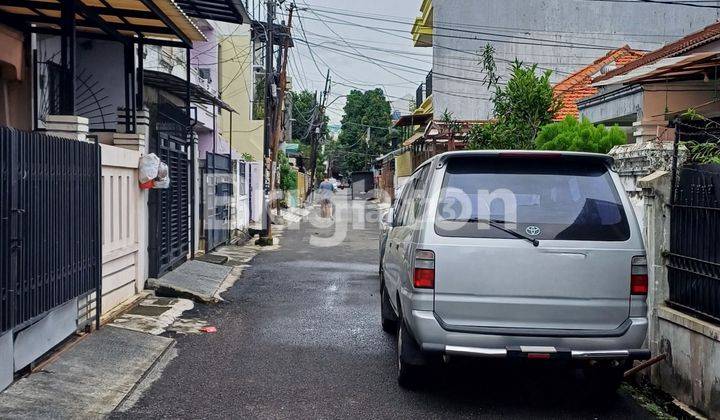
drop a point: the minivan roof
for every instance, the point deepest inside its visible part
(608, 160)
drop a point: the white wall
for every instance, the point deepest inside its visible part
(123, 209)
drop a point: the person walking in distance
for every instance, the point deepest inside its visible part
(326, 189)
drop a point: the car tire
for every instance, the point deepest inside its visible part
(409, 375)
(387, 314)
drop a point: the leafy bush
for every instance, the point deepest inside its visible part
(521, 107)
(579, 136)
(703, 152)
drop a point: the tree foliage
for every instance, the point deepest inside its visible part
(288, 175)
(579, 136)
(304, 109)
(354, 151)
(521, 107)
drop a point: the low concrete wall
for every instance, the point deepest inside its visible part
(691, 371)
(124, 212)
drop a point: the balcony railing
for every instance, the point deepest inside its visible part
(424, 90)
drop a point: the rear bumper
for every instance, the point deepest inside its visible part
(433, 338)
(633, 354)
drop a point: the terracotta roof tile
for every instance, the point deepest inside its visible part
(578, 85)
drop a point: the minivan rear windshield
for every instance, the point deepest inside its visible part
(564, 198)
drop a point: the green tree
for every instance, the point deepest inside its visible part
(579, 136)
(364, 131)
(521, 107)
(304, 109)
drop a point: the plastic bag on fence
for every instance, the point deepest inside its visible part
(163, 171)
(163, 179)
(162, 183)
(149, 166)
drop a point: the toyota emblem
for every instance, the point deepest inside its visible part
(532, 230)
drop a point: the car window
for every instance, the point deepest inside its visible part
(562, 199)
(415, 207)
(402, 203)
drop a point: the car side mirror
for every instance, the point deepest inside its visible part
(388, 217)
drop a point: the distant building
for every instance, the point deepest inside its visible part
(557, 35)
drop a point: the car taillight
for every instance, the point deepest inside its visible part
(639, 276)
(424, 276)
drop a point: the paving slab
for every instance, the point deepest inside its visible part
(89, 380)
(197, 280)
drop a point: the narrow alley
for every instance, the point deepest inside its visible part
(299, 336)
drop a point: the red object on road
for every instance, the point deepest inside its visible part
(208, 329)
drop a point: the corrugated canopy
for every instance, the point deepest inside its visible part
(413, 119)
(667, 68)
(177, 86)
(153, 21)
(232, 11)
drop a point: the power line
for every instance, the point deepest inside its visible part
(545, 43)
(555, 43)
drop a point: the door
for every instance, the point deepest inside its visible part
(578, 278)
(218, 194)
(169, 209)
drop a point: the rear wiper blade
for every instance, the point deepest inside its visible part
(498, 224)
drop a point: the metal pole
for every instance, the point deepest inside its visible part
(126, 71)
(673, 175)
(67, 53)
(214, 195)
(141, 76)
(233, 177)
(269, 73)
(191, 142)
(35, 90)
(133, 86)
(98, 236)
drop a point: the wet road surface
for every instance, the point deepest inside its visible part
(299, 337)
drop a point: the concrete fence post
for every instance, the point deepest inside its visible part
(656, 199)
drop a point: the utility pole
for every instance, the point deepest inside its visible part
(317, 125)
(269, 105)
(277, 122)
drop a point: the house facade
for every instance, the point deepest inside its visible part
(84, 95)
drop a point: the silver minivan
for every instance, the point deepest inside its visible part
(515, 254)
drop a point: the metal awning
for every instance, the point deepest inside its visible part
(232, 11)
(177, 86)
(150, 21)
(412, 139)
(667, 68)
(413, 119)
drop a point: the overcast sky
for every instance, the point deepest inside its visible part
(349, 63)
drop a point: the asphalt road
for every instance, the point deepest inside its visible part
(300, 337)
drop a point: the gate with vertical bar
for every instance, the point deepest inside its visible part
(49, 224)
(169, 209)
(218, 194)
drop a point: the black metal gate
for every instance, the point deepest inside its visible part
(170, 208)
(218, 191)
(694, 257)
(49, 224)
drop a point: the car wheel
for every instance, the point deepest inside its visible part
(409, 375)
(387, 314)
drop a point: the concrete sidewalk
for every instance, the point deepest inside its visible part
(89, 380)
(197, 280)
